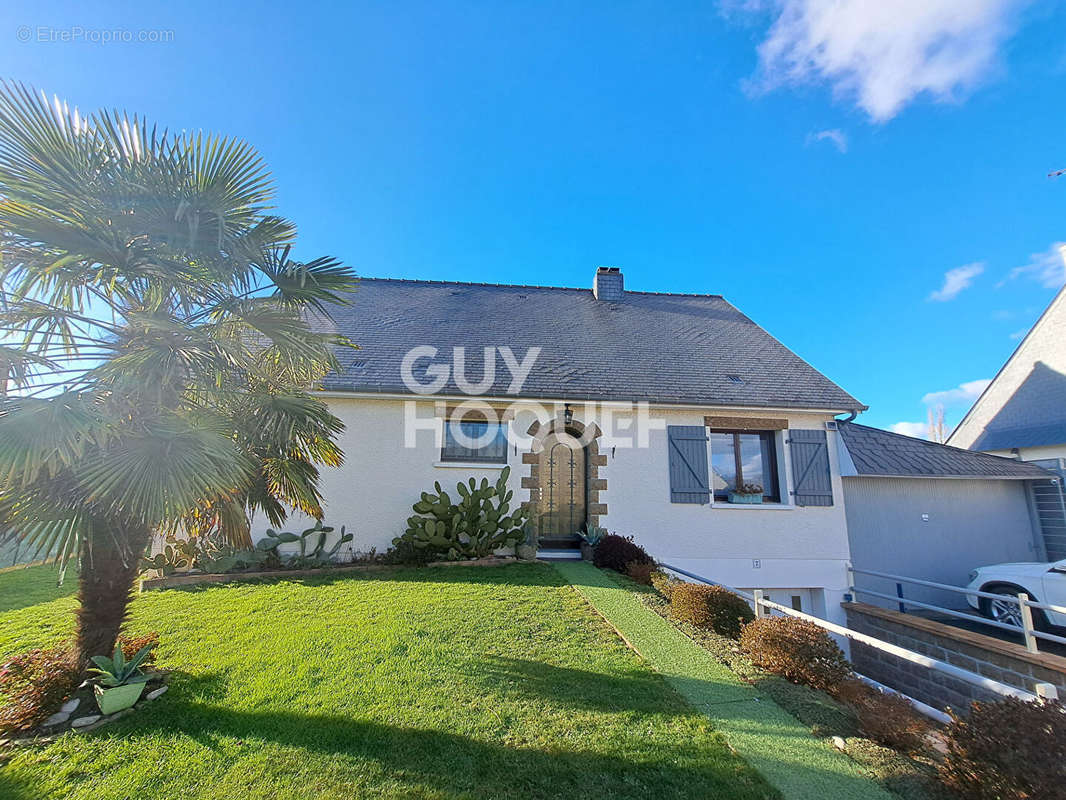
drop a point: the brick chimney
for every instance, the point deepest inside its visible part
(608, 285)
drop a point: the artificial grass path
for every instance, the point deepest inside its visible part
(781, 748)
(457, 682)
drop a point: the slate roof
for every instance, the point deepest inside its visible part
(664, 348)
(1025, 404)
(882, 453)
(1029, 436)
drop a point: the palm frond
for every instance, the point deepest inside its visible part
(165, 471)
(151, 266)
(43, 437)
(317, 284)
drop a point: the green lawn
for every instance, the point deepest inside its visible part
(27, 586)
(801, 766)
(443, 683)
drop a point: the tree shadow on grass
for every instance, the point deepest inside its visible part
(639, 691)
(434, 761)
(17, 787)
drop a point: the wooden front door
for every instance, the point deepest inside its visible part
(562, 503)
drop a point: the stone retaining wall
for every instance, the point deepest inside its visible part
(1005, 662)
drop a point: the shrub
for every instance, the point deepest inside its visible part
(1008, 750)
(664, 583)
(131, 645)
(710, 607)
(886, 718)
(795, 649)
(34, 685)
(406, 554)
(617, 552)
(641, 571)
(479, 524)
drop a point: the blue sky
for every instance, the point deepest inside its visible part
(823, 165)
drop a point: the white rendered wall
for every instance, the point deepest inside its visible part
(774, 547)
(1033, 453)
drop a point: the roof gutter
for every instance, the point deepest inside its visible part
(388, 394)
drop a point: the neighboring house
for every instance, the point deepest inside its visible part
(925, 510)
(724, 403)
(1022, 414)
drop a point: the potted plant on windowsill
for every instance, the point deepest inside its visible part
(121, 682)
(746, 493)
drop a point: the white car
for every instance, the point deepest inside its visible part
(1043, 582)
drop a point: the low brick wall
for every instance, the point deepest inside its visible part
(1005, 662)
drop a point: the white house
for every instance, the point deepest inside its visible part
(1022, 414)
(632, 410)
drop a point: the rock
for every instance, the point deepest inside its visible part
(57, 718)
(70, 706)
(527, 552)
(82, 722)
(152, 695)
(839, 743)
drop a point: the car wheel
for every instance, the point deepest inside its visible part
(1007, 611)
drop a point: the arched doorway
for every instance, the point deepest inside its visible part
(559, 506)
(562, 504)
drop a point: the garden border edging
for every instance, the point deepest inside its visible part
(174, 581)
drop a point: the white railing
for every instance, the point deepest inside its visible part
(1021, 599)
(761, 604)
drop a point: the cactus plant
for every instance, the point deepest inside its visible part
(208, 554)
(313, 552)
(477, 525)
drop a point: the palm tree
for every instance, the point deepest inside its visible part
(155, 343)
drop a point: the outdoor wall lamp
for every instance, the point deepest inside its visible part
(568, 414)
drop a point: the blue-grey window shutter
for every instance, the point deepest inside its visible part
(688, 464)
(812, 482)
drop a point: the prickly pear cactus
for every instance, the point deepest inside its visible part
(480, 523)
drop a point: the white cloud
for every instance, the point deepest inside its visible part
(834, 135)
(1019, 334)
(881, 54)
(955, 280)
(917, 429)
(1048, 268)
(963, 393)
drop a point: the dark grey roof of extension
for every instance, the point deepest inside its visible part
(665, 348)
(882, 453)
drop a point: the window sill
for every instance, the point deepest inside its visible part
(752, 506)
(469, 464)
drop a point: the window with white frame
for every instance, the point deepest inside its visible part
(475, 440)
(741, 458)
